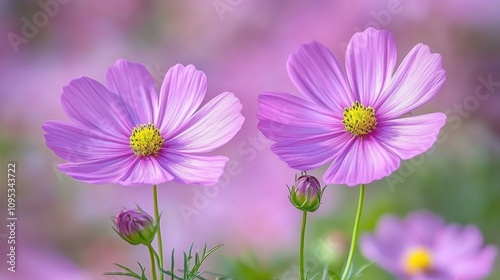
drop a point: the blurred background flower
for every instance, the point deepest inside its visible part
(242, 46)
(422, 246)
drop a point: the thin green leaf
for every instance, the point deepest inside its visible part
(193, 273)
(122, 274)
(129, 272)
(358, 273)
(143, 274)
(307, 274)
(212, 250)
(186, 265)
(172, 265)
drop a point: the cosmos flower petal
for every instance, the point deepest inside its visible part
(423, 235)
(410, 136)
(416, 81)
(211, 127)
(370, 62)
(390, 228)
(469, 238)
(476, 266)
(283, 116)
(155, 174)
(136, 87)
(315, 71)
(73, 143)
(390, 232)
(459, 249)
(386, 244)
(371, 249)
(435, 276)
(376, 251)
(90, 104)
(181, 94)
(361, 161)
(193, 169)
(99, 171)
(311, 152)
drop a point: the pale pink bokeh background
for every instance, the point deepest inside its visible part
(64, 224)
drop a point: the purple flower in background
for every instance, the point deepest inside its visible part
(423, 247)
(352, 119)
(135, 226)
(129, 134)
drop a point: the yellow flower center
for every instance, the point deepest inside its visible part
(418, 260)
(359, 120)
(146, 140)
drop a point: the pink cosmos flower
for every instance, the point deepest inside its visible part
(129, 134)
(423, 247)
(353, 119)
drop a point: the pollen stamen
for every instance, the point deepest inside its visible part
(146, 140)
(359, 120)
(418, 260)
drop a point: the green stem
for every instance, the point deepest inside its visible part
(157, 219)
(153, 263)
(347, 267)
(302, 235)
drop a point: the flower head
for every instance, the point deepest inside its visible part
(135, 226)
(130, 134)
(353, 119)
(423, 247)
(306, 193)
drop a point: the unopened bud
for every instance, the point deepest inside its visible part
(135, 226)
(306, 193)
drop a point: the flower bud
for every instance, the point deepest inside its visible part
(135, 226)
(306, 193)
